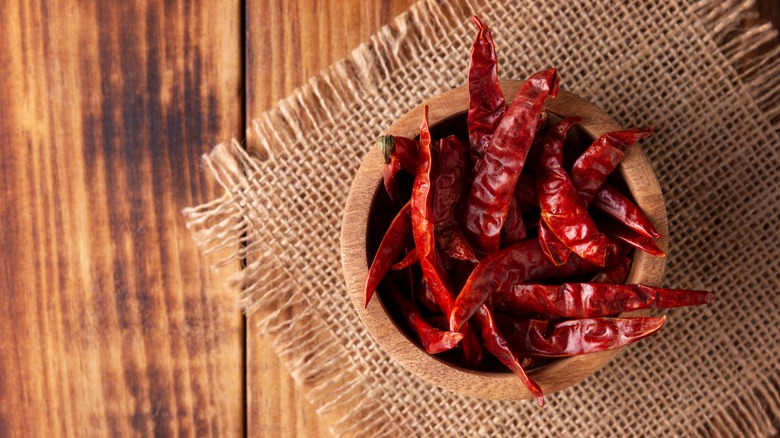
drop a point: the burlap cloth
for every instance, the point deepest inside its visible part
(689, 70)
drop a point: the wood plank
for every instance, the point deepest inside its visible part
(112, 323)
(287, 43)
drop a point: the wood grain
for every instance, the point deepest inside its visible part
(288, 42)
(112, 323)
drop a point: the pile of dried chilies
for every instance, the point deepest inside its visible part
(506, 227)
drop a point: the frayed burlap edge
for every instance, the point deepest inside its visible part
(332, 382)
(751, 52)
(751, 55)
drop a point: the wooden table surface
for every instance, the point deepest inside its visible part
(112, 323)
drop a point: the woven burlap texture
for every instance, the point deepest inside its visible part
(686, 69)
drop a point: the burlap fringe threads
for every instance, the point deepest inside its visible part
(318, 362)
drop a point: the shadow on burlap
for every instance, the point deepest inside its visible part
(686, 69)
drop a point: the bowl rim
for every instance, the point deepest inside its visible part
(635, 169)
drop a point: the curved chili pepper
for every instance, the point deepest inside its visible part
(592, 168)
(603, 156)
(562, 209)
(496, 344)
(515, 264)
(557, 252)
(535, 152)
(610, 201)
(449, 184)
(514, 229)
(389, 174)
(423, 221)
(538, 338)
(503, 160)
(423, 233)
(400, 153)
(553, 248)
(589, 300)
(616, 274)
(409, 259)
(433, 340)
(618, 231)
(486, 103)
(397, 238)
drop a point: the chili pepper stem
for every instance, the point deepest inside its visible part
(385, 144)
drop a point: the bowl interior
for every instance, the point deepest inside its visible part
(382, 211)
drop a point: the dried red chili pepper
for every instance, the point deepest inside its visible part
(409, 259)
(450, 177)
(613, 202)
(616, 274)
(618, 231)
(553, 248)
(535, 152)
(603, 156)
(424, 239)
(563, 211)
(589, 300)
(433, 340)
(391, 171)
(423, 220)
(516, 264)
(397, 238)
(486, 102)
(400, 153)
(592, 168)
(503, 160)
(610, 201)
(539, 338)
(496, 344)
(557, 252)
(514, 229)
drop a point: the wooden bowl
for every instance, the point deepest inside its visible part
(645, 269)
